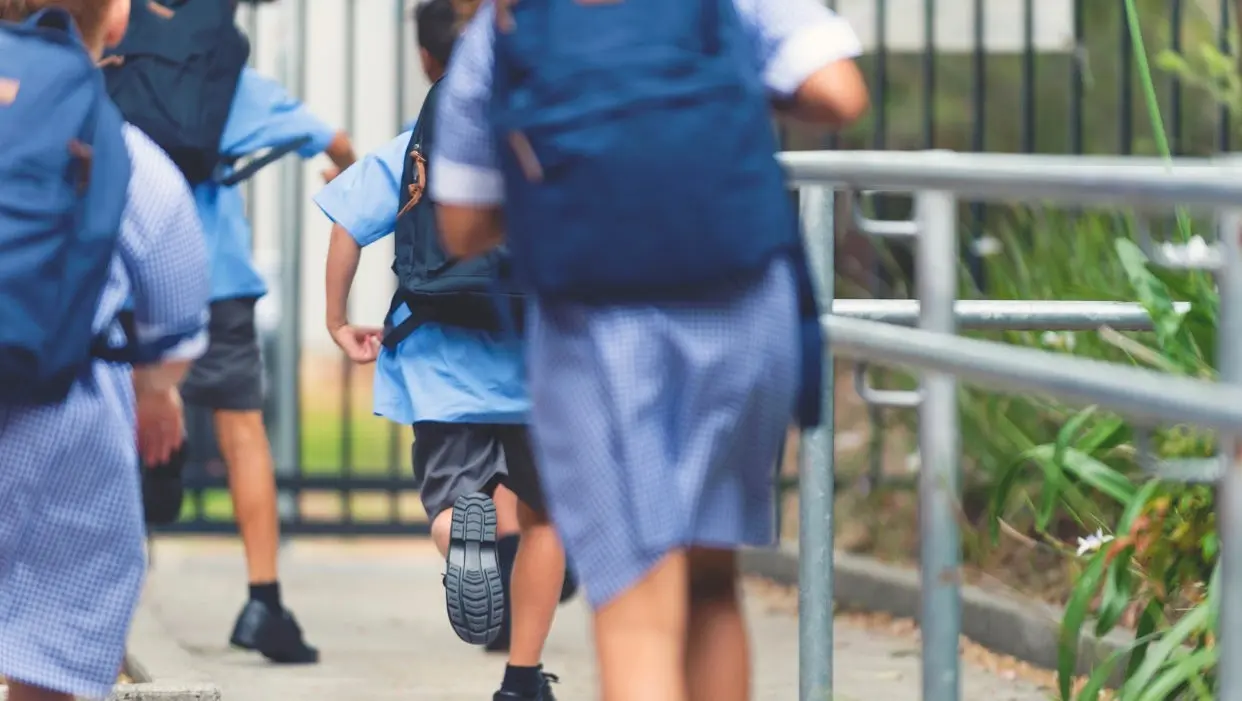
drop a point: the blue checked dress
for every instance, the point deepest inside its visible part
(71, 529)
(656, 428)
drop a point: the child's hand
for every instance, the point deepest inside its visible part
(329, 174)
(161, 425)
(361, 344)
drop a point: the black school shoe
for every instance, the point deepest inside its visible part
(274, 634)
(544, 693)
(163, 490)
(473, 588)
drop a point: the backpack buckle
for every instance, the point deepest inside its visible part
(526, 158)
(420, 183)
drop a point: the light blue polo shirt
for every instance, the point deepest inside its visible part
(263, 115)
(438, 373)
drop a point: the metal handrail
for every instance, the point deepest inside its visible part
(1143, 183)
(937, 179)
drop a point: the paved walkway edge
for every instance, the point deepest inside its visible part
(1026, 629)
(160, 668)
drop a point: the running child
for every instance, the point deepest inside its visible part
(671, 303)
(237, 112)
(72, 555)
(446, 367)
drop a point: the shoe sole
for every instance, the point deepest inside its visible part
(473, 591)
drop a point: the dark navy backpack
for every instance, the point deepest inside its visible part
(475, 293)
(637, 146)
(175, 74)
(64, 177)
(639, 156)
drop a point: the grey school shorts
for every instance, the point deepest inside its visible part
(455, 459)
(229, 376)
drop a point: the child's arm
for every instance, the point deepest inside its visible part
(163, 252)
(467, 187)
(165, 255)
(341, 153)
(807, 52)
(360, 344)
(362, 204)
(834, 96)
(264, 115)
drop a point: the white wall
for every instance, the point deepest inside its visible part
(954, 24)
(372, 120)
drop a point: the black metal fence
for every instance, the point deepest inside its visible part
(1030, 76)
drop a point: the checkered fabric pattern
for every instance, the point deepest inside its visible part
(655, 428)
(71, 531)
(659, 428)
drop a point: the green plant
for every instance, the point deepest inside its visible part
(1163, 546)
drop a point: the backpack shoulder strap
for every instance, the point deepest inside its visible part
(416, 151)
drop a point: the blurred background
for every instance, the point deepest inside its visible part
(1046, 76)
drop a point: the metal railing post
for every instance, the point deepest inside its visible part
(939, 438)
(815, 487)
(287, 448)
(1229, 499)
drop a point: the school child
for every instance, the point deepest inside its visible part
(237, 112)
(91, 213)
(671, 298)
(447, 367)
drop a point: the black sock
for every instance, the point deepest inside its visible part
(570, 586)
(523, 681)
(267, 594)
(506, 553)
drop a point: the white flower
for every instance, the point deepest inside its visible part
(914, 461)
(1093, 542)
(986, 246)
(1058, 339)
(1195, 252)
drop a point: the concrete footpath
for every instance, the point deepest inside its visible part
(375, 608)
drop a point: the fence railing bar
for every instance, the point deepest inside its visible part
(815, 478)
(940, 547)
(890, 398)
(1142, 183)
(1141, 394)
(879, 228)
(1229, 496)
(1009, 315)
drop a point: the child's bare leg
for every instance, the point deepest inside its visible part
(640, 637)
(506, 511)
(25, 692)
(535, 587)
(441, 528)
(717, 655)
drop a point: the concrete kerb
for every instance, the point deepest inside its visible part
(160, 668)
(1026, 629)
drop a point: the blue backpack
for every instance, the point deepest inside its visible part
(639, 156)
(474, 293)
(64, 178)
(638, 149)
(174, 77)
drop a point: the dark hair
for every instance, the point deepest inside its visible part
(436, 26)
(87, 14)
